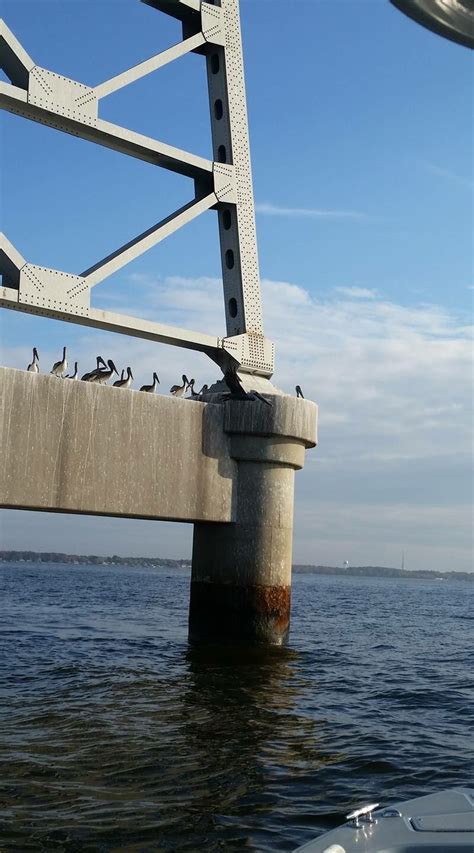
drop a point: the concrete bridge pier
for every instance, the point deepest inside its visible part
(241, 571)
(225, 465)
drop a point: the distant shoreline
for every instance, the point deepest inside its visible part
(185, 565)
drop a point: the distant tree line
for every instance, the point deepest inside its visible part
(383, 572)
(88, 559)
(160, 562)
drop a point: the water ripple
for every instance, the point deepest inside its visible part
(118, 737)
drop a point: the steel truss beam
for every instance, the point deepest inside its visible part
(224, 184)
(52, 293)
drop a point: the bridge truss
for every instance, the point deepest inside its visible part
(223, 184)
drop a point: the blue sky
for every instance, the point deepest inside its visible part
(361, 140)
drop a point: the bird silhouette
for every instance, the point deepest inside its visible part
(87, 376)
(124, 383)
(237, 390)
(233, 382)
(59, 367)
(299, 392)
(151, 388)
(74, 375)
(101, 377)
(196, 395)
(178, 390)
(34, 366)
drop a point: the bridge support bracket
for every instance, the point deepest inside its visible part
(241, 571)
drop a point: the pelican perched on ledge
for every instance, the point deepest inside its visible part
(74, 376)
(59, 367)
(34, 366)
(87, 376)
(237, 390)
(255, 395)
(124, 383)
(102, 376)
(179, 390)
(195, 395)
(151, 388)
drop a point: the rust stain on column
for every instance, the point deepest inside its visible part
(241, 571)
(227, 612)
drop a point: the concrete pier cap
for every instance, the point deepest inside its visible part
(225, 465)
(241, 571)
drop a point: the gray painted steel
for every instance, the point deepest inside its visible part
(437, 823)
(223, 183)
(226, 465)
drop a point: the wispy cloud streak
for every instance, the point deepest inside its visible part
(357, 292)
(449, 175)
(268, 209)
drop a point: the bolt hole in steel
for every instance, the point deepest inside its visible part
(233, 307)
(218, 109)
(226, 219)
(222, 154)
(229, 259)
(215, 63)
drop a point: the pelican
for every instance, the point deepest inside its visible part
(237, 390)
(255, 395)
(151, 388)
(102, 376)
(299, 392)
(232, 380)
(59, 367)
(74, 376)
(34, 366)
(87, 376)
(124, 383)
(178, 390)
(193, 395)
(196, 395)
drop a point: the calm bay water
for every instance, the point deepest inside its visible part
(115, 736)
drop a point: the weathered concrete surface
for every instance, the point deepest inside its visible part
(229, 467)
(241, 576)
(86, 448)
(288, 417)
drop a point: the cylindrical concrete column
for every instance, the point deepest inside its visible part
(241, 573)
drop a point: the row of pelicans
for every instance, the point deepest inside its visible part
(104, 370)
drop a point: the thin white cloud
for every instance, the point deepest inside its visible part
(357, 292)
(449, 175)
(269, 209)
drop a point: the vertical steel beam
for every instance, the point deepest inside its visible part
(238, 241)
